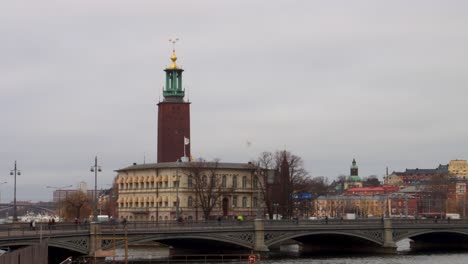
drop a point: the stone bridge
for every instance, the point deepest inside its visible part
(258, 235)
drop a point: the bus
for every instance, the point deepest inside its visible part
(432, 215)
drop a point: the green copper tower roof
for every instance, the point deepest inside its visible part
(173, 80)
(354, 176)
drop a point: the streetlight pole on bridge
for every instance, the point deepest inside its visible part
(15, 172)
(95, 168)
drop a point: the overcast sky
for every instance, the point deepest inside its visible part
(384, 82)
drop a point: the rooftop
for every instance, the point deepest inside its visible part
(170, 165)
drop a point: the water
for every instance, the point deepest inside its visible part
(449, 258)
(404, 256)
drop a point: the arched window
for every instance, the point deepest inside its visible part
(234, 181)
(190, 201)
(244, 182)
(244, 202)
(223, 182)
(190, 181)
(204, 180)
(255, 182)
(234, 201)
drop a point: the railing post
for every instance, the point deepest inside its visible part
(259, 236)
(94, 240)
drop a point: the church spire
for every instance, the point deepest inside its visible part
(173, 77)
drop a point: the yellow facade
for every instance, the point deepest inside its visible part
(459, 168)
(338, 206)
(150, 192)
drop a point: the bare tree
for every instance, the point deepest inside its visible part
(77, 204)
(291, 181)
(436, 192)
(110, 206)
(207, 185)
(266, 168)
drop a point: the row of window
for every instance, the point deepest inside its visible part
(190, 203)
(204, 181)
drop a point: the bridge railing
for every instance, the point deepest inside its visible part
(175, 225)
(396, 221)
(25, 229)
(321, 222)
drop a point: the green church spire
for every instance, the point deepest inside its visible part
(173, 78)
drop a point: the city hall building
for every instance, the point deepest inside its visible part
(170, 189)
(167, 191)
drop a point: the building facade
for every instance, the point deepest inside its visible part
(420, 176)
(458, 168)
(172, 190)
(363, 206)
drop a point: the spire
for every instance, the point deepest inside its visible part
(174, 76)
(173, 59)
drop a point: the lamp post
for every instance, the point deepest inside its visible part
(15, 172)
(1, 191)
(59, 189)
(95, 168)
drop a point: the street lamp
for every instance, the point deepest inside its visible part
(15, 172)
(95, 168)
(1, 191)
(59, 189)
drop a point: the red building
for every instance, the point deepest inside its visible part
(173, 117)
(402, 205)
(371, 191)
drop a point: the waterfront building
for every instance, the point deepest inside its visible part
(166, 191)
(458, 168)
(339, 205)
(370, 191)
(403, 204)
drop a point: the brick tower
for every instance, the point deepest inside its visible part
(173, 117)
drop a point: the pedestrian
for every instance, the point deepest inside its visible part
(219, 220)
(435, 219)
(326, 219)
(33, 224)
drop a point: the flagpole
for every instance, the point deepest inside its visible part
(184, 147)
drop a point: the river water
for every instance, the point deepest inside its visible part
(442, 258)
(404, 256)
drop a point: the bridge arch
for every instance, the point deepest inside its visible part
(412, 234)
(51, 243)
(375, 238)
(211, 237)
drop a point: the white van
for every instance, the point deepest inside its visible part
(452, 216)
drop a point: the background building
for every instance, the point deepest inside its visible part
(458, 168)
(166, 191)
